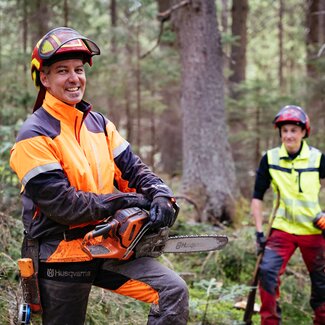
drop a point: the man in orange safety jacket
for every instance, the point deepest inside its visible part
(70, 161)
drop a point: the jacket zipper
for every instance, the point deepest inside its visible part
(76, 133)
(299, 182)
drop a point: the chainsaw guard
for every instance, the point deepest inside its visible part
(152, 245)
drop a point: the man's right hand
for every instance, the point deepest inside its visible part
(162, 213)
(260, 242)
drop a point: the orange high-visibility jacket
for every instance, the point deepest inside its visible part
(76, 157)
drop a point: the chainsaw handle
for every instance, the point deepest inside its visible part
(100, 230)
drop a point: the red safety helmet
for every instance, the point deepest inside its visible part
(292, 114)
(61, 43)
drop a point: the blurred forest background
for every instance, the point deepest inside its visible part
(193, 85)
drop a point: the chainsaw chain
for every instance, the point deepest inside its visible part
(223, 240)
(198, 236)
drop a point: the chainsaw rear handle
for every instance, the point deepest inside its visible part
(100, 230)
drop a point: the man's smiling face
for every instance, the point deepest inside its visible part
(65, 80)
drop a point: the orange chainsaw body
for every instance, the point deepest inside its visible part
(113, 239)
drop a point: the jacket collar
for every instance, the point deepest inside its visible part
(304, 152)
(63, 111)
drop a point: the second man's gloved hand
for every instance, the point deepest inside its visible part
(162, 213)
(260, 242)
(319, 222)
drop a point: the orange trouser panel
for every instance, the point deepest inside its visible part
(138, 290)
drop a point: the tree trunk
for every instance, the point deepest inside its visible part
(315, 35)
(25, 31)
(138, 87)
(113, 17)
(238, 49)
(127, 86)
(164, 5)
(41, 18)
(280, 28)
(208, 168)
(113, 112)
(237, 66)
(312, 41)
(322, 23)
(153, 139)
(66, 12)
(224, 15)
(169, 130)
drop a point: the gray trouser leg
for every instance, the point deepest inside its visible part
(64, 303)
(171, 288)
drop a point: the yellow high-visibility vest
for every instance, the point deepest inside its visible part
(298, 183)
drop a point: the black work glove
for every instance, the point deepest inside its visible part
(260, 242)
(162, 213)
(119, 201)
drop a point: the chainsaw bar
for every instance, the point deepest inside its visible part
(195, 243)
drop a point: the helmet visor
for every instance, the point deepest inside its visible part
(59, 37)
(291, 114)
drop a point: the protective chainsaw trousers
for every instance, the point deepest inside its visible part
(279, 248)
(65, 288)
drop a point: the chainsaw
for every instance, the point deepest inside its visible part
(129, 234)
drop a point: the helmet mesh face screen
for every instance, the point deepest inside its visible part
(64, 40)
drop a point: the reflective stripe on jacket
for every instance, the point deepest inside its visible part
(298, 183)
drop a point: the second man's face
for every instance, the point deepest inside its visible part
(291, 136)
(65, 80)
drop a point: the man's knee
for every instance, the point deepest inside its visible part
(173, 303)
(269, 271)
(268, 279)
(178, 286)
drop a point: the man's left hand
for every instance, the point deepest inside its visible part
(162, 213)
(319, 221)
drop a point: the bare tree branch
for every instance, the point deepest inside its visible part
(161, 30)
(164, 16)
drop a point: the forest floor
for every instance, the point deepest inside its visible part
(216, 280)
